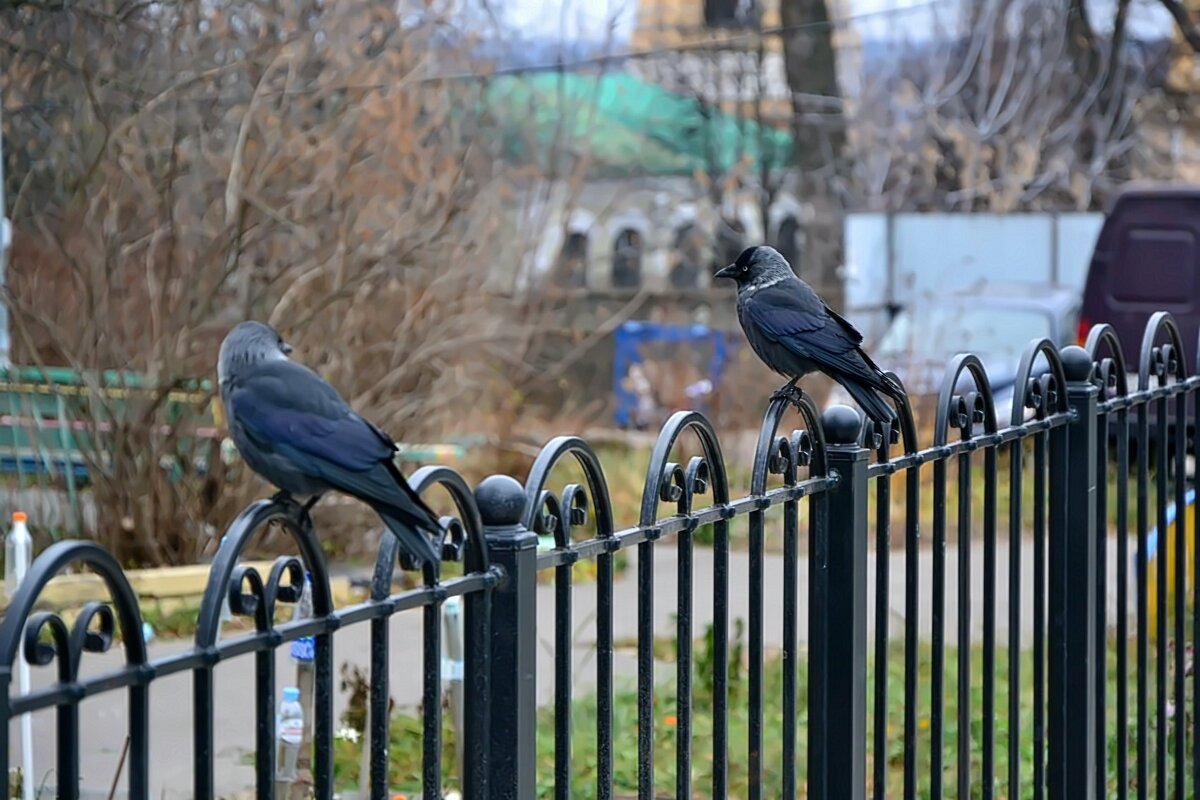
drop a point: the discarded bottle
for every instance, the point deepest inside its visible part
(303, 650)
(18, 550)
(226, 614)
(289, 732)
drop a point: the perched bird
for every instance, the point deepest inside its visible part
(294, 430)
(794, 332)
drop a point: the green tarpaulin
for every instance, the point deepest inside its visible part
(625, 125)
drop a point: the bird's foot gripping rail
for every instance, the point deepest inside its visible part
(790, 392)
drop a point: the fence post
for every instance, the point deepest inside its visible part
(513, 547)
(1071, 771)
(837, 685)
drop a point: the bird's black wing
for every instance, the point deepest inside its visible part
(799, 321)
(287, 408)
(849, 329)
(286, 404)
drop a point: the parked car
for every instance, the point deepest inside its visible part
(1147, 259)
(995, 321)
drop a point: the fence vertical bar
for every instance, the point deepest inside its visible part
(1195, 602)
(837, 689)
(1122, 724)
(791, 525)
(1072, 628)
(1039, 615)
(912, 576)
(604, 677)
(1141, 576)
(683, 674)
(1162, 722)
(202, 730)
(645, 669)
(755, 658)
(563, 663)
(431, 704)
(1101, 610)
(883, 553)
(1180, 699)
(937, 682)
(513, 547)
(963, 638)
(720, 699)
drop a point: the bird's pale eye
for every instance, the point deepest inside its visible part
(745, 267)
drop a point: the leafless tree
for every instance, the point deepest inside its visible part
(1028, 109)
(178, 168)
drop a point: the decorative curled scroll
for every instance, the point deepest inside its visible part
(545, 513)
(1110, 374)
(964, 410)
(462, 537)
(785, 455)
(679, 486)
(1044, 392)
(245, 589)
(249, 596)
(667, 482)
(558, 519)
(93, 631)
(1163, 361)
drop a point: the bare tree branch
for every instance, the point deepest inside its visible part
(1187, 26)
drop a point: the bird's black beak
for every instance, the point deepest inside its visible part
(285, 348)
(726, 272)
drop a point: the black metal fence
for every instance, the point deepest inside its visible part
(1028, 696)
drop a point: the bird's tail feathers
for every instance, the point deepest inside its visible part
(414, 523)
(875, 407)
(430, 521)
(893, 389)
(416, 543)
(882, 381)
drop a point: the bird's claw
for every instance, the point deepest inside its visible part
(282, 497)
(409, 563)
(790, 393)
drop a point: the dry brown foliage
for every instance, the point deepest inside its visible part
(176, 168)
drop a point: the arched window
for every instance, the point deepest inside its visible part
(787, 241)
(688, 256)
(572, 261)
(731, 240)
(627, 260)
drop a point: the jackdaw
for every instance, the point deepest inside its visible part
(293, 429)
(792, 330)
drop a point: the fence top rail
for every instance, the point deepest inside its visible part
(205, 657)
(980, 441)
(1142, 397)
(629, 537)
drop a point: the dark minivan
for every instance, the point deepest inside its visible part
(1147, 259)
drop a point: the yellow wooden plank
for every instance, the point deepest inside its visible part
(68, 591)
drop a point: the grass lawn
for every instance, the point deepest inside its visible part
(406, 730)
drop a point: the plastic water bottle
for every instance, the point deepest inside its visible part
(18, 549)
(226, 614)
(289, 732)
(304, 649)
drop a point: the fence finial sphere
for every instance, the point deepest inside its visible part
(501, 500)
(1077, 364)
(841, 424)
